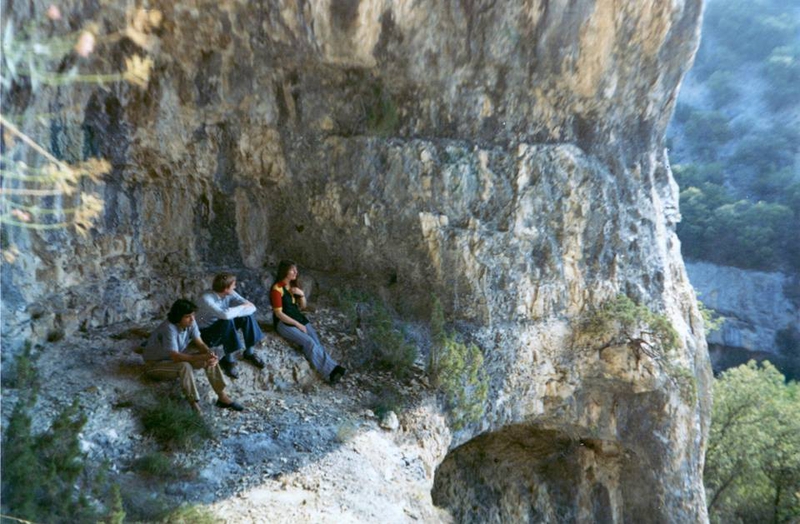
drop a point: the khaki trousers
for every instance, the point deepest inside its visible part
(167, 369)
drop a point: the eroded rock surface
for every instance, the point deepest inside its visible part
(507, 156)
(755, 305)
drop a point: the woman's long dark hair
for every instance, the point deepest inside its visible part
(283, 269)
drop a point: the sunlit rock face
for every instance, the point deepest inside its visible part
(506, 156)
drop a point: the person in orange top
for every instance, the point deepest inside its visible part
(287, 300)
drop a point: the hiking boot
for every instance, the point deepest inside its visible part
(232, 405)
(254, 359)
(229, 368)
(336, 375)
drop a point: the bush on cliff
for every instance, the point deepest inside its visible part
(382, 345)
(457, 369)
(622, 321)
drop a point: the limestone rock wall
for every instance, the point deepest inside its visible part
(507, 156)
(754, 303)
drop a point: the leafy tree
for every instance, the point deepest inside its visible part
(695, 225)
(764, 152)
(706, 132)
(749, 236)
(721, 88)
(782, 70)
(771, 186)
(752, 469)
(750, 28)
(697, 175)
(698, 228)
(741, 234)
(744, 208)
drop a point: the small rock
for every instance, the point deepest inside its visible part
(390, 421)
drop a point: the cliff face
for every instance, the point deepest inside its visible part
(507, 156)
(760, 315)
(754, 304)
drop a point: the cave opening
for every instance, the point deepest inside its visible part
(524, 473)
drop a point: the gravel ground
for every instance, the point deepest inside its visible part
(302, 451)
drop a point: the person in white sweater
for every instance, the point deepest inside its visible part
(221, 313)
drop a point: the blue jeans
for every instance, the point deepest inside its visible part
(312, 347)
(223, 332)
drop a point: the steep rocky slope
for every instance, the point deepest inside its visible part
(301, 450)
(507, 157)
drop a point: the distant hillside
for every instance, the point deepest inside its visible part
(735, 138)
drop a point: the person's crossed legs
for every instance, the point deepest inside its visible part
(224, 332)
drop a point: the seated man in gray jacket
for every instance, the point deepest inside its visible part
(221, 313)
(165, 356)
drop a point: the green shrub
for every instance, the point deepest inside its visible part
(752, 468)
(24, 373)
(457, 370)
(383, 345)
(116, 512)
(388, 399)
(382, 115)
(463, 381)
(622, 321)
(711, 319)
(19, 462)
(346, 431)
(351, 302)
(391, 351)
(173, 425)
(191, 515)
(159, 465)
(45, 477)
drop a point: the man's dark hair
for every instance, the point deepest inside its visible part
(179, 309)
(223, 282)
